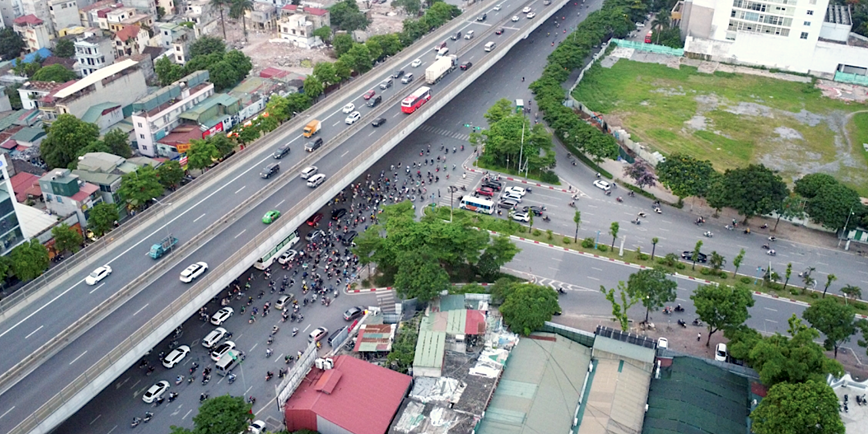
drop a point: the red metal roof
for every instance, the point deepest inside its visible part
(22, 183)
(9, 144)
(306, 10)
(475, 324)
(28, 19)
(128, 32)
(357, 396)
(86, 190)
(271, 72)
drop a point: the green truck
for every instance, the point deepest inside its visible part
(162, 247)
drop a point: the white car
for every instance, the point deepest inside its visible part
(316, 180)
(221, 349)
(98, 275)
(521, 217)
(469, 34)
(287, 256)
(256, 427)
(155, 392)
(511, 196)
(175, 356)
(497, 8)
(515, 191)
(662, 343)
(308, 171)
(531, 15)
(221, 315)
(602, 185)
(215, 336)
(349, 108)
(317, 334)
(720, 352)
(526, 10)
(283, 302)
(193, 271)
(416, 63)
(353, 117)
(515, 18)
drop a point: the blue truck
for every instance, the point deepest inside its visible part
(162, 247)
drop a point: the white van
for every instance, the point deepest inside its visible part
(306, 173)
(443, 51)
(469, 34)
(316, 180)
(228, 362)
(489, 46)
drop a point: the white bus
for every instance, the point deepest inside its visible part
(287, 243)
(476, 204)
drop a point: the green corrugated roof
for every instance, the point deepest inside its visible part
(95, 111)
(8, 121)
(451, 302)
(97, 177)
(28, 134)
(217, 99)
(693, 396)
(430, 348)
(624, 349)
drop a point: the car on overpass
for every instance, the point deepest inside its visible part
(416, 63)
(155, 392)
(175, 356)
(379, 121)
(349, 108)
(270, 216)
(193, 271)
(526, 10)
(369, 94)
(353, 117)
(98, 275)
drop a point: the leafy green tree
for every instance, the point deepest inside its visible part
(739, 259)
(238, 9)
(528, 307)
(792, 207)
(345, 15)
(653, 288)
(119, 143)
(5, 269)
(851, 292)
(222, 74)
(613, 231)
(501, 251)
(66, 239)
(802, 408)
(325, 73)
(793, 359)
(788, 274)
(11, 44)
(220, 5)
(240, 62)
(248, 134)
(278, 108)
(722, 307)
(511, 136)
(752, 190)
(654, 242)
(64, 48)
(14, 97)
(502, 109)
(343, 71)
(324, 33)
(313, 88)
(201, 154)
(619, 309)
(829, 279)
(832, 206)
(222, 143)
(695, 255)
(167, 71)
(717, 261)
(577, 218)
(810, 185)
(57, 73)
(641, 173)
(66, 136)
(170, 174)
(362, 57)
(220, 415)
(29, 260)
(837, 322)
(102, 217)
(374, 49)
(420, 276)
(141, 186)
(403, 351)
(411, 7)
(206, 45)
(685, 176)
(342, 44)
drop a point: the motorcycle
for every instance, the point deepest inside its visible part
(231, 378)
(270, 340)
(136, 422)
(268, 352)
(667, 310)
(658, 211)
(561, 291)
(679, 308)
(697, 322)
(148, 416)
(772, 239)
(619, 199)
(636, 222)
(203, 396)
(269, 375)
(546, 218)
(708, 234)
(766, 246)
(294, 331)
(274, 330)
(771, 252)
(642, 214)
(682, 323)
(572, 204)
(729, 228)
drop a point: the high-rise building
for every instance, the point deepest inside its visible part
(11, 234)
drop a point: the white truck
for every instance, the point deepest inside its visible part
(440, 68)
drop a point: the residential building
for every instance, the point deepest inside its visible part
(262, 17)
(130, 40)
(65, 193)
(253, 93)
(116, 17)
(141, 20)
(148, 7)
(34, 31)
(64, 14)
(105, 171)
(178, 39)
(146, 61)
(32, 92)
(168, 6)
(803, 36)
(29, 136)
(299, 22)
(11, 233)
(39, 8)
(93, 52)
(10, 10)
(199, 12)
(158, 114)
(121, 83)
(87, 14)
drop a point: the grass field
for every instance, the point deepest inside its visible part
(732, 120)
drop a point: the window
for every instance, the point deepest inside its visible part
(140, 124)
(142, 136)
(59, 199)
(144, 148)
(804, 35)
(810, 12)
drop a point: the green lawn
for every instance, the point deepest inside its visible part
(731, 119)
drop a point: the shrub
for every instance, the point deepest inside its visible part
(671, 259)
(549, 234)
(567, 240)
(745, 280)
(722, 275)
(550, 178)
(796, 292)
(536, 232)
(859, 305)
(680, 266)
(814, 295)
(522, 229)
(602, 247)
(704, 271)
(588, 243)
(644, 256)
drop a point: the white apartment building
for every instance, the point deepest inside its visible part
(299, 22)
(199, 12)
(64, 13)
(804, 36)
(93, 52)
(40, 9)
(178, 39)
(33, 30)
(157, 114)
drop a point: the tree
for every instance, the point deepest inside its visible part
(807, 280)
(64, 48)
(654, 242)
(56, 73)
(851, 292)
(66, 239)
(809, 185)
(206, 45)
(324, 33)
(721, 306)
(802, 408)
(170, 174)
(14, 97)
(833, 205)
(167, 71)
(829, 279)
(641, 173)
(411, 7)
(238, 9)
(528, 307)
(345, 15)
(653, 288)
(792, 207)
(794, 359)
(220, 5)
(619, 310)
(717, 261)
(11, 44)
(499, 253)
(222, 74)
(66, 136)
(577, 218)
(29, 260)
(325, 73)
(837, 322)
(219, 415)
(695, 255)
(613, 231)
(201, 154)
(752, 190)
(5, 269)
(119, 143)
(738, 261)
(102, 218)
(420, 276)
(685, 175)
(787, 274)
(222, 143)
(361, 55)
(313, 88)
(403, 351)
(342, 44)
(141, 186)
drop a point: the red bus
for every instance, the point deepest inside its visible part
(414, 101)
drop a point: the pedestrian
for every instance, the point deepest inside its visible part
(698, 337)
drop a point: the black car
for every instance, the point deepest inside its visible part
(466, 65)
(481, 17)
(456, 36)
(398, 74)
(353, 313)
(688, 255)
(379, 121)
(348, 238)
(499, 31)
(494, 185)
(536, 210)
(281, 151)
(338, 213)
(374, 101)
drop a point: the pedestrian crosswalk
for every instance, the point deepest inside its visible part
(445, 132)
(386, 301)
(458, 180)
(555, 284)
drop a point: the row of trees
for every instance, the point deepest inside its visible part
(757, 190)
(225, 68)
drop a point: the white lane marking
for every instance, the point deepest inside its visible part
(336, 123)
(34, 331)
(593, 278)
(239, 234)
(396, 114)
(7, 412)
(95, 419)
(595, 268)
(197, 218)
(187, 414)
(369, 135)
(239, 190)
(768, 308)
(771, 321)
(345, 153)
(137, 312)
(98, 287)
(80, 356)
(280, 203)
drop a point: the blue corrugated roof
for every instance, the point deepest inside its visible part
(43, 53)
